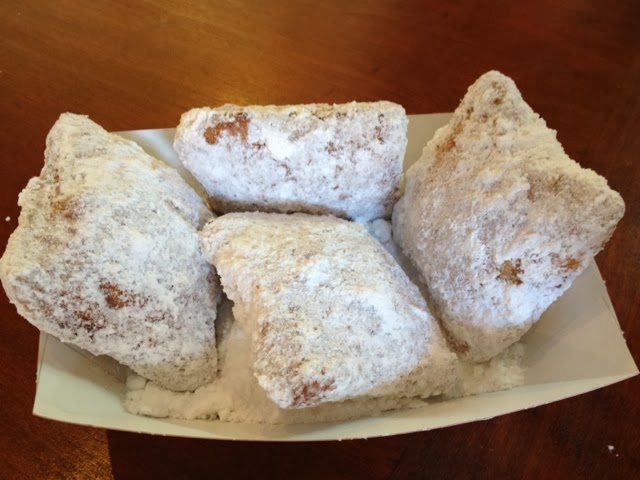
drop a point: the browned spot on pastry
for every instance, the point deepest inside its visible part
(160, 316)
(305, 392)
(547, 186)
(115, 297)
(509, 272)
(469, 112)
(296, 135)
(56, 183)
(331, 148)
(237, 128)
(450, 143)
(378, 132)
(324, 115)
(339, 169)
(264, 329)
(90, 320)
(64, 207)
(293, 308)
(568, 263)
(571, 264)
(501, 90)
(458, 346)
(287, 170)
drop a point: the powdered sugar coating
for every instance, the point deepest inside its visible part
(498, 219)
(345, 160)
(106, 257)
(332, 316)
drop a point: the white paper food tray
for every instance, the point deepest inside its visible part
(576, 347)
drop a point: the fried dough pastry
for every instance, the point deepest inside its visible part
(344, 160)
(498, 219)
(106, 257)
(331, 314)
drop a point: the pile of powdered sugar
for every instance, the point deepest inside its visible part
(235, 396)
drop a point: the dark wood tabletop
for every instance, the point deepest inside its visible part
(133, 65)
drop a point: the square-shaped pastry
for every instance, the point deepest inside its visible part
(106, 257)
(498, 219)
(331, 314)
(344, 160)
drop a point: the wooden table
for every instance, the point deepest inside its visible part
(576, 62)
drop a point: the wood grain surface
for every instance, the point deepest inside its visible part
(132, 65)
